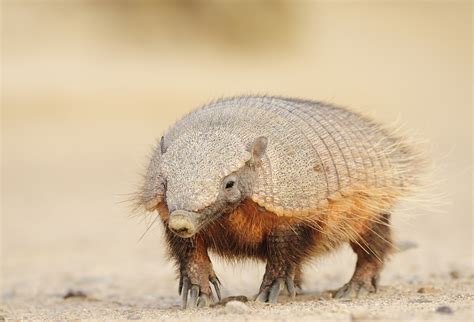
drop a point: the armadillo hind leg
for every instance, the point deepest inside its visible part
(372, 249)
(298, 279)
(284, 258)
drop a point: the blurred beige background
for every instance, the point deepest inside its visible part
(88, 86)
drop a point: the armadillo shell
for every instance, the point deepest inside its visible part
(316, 152)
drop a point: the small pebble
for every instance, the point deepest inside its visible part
(240, 298)
(224, 301)
(74, 294)
(426, 290)
(236, 307)
(455, 275)
(422, 300)
(444, 309)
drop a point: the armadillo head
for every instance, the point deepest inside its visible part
(206, 174)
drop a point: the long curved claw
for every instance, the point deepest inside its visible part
(269, 292)
(215, 281)
(345, 292)
(193, 296)
(180, 285)
(183, 291)
(263, 295)
(375, 282)
(354, 289)
(275, 290)
(290, 286)
(204, 300)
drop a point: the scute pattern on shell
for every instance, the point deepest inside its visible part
(195, 165)
(316, 152)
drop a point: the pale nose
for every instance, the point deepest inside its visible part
(181, 224)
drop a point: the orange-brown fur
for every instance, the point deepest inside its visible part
(241, 234)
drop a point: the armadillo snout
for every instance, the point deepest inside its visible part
(183, 223)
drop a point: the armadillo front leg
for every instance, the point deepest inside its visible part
(286, 248)
(195, 271)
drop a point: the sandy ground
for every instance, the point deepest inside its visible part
(81, 112)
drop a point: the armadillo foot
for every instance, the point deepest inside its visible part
(269, 292)
(357, 288)
(193, 295)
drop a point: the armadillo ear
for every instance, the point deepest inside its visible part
(162, 145)
(259, 147)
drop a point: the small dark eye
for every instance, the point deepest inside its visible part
(229, 184)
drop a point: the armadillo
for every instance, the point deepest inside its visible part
(280, 180)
